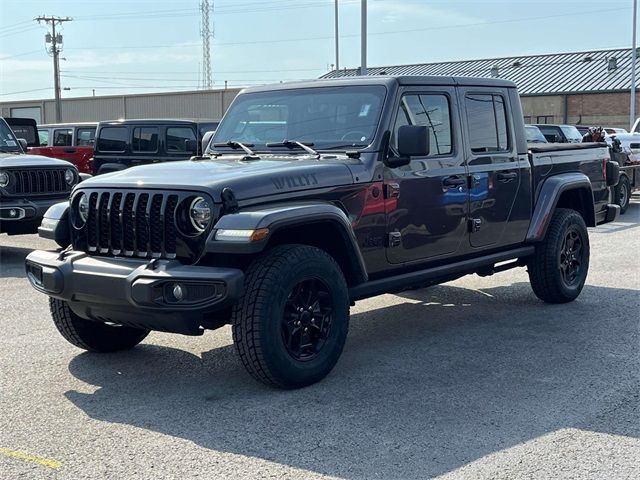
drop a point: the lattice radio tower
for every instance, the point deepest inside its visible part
(206, 32)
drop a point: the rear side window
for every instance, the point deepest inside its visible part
(177, 138)
(145, 139)
(487, 123)
(44, 137)
(62, 137)
(431, 111)
(85, 137)
(112, 139)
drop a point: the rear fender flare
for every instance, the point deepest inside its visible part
(550, 193)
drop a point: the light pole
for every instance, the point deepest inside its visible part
(337, 38)
(632, 106)
(363, 38)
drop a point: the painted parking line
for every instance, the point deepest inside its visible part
(27, 457)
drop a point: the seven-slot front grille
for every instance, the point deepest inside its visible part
(135, 224)
(38, 182)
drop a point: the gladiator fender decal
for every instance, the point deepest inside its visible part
(550, 193)
(279, 218)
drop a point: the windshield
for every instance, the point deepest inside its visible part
(534, 135)
(8, 142)
(333, 117)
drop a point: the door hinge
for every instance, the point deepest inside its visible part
(475, 224)
(391, 190)
(394, 239)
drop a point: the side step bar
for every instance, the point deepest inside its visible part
(431, 276)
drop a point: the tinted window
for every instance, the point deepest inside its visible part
(534, 135)
(177, 138)
(62, 138)
(112, 139)
(27, 132)
(572, 134)
(552, 134)
(145, 139)
(85, 137)
(487, 123)
(44, 137)
(337, 117)
(431, 111)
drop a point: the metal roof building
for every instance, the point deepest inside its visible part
(588, 87)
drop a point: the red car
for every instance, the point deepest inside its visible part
(72, 142)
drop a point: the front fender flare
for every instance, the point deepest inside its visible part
(279, 217)
(550, 192)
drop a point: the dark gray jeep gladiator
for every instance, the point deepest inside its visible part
(29, 184)
(314, 195)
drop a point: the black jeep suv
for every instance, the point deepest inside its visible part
(314, 195)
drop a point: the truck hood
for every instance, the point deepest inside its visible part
(270, 175)
(19, 160)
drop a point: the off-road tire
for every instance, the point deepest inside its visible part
(544, 267)
(257, 318)
(622, 193)
(90, 335)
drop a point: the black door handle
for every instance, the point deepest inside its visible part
(454, 181)
(69, 150)
(507, 176)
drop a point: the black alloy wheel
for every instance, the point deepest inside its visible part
(570, 256)
(307, 319)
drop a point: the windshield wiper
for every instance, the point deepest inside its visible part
(234, 144)
(294, 143)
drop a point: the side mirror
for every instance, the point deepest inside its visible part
(23, 144)
(413, 141)
(191, 146)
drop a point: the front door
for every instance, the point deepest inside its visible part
(426, 201)
(494, 165)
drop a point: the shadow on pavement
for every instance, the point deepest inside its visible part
(422, 388)
(12, 261)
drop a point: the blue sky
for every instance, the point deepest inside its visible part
(124, 46)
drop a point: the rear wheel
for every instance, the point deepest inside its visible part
(291, 324)
(622, 193)
(558, 269)
(90, 335)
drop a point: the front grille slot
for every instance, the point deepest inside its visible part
(136, 224)
(38, 182)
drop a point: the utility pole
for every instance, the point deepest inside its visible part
(55, 39)
(206, 34)
(337, 39)
(634, 54)
(363, 38)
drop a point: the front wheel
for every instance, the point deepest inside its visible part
(558, 269)
(90, 335)
(290, 326)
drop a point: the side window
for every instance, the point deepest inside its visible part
(44, 137)
(145, 139)
(487, 123)
(85, 137)
(177, 138)
(62, 138)
(112, 139)
(432, 111)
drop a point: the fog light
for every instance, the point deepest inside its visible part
(13, 212)
(178, 294)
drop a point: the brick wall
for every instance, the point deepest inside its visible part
(606, 109)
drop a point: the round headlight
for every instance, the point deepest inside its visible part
(69, 176)
(4, 179)
(200, 214)
(83, 208)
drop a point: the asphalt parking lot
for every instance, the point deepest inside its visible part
(472, 379)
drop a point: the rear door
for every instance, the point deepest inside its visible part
(493, 164)
(426, 201)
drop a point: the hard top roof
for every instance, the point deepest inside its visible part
(158, 121)
(386, 80)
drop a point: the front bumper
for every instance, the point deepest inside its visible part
(133, 292)
(22, 215)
